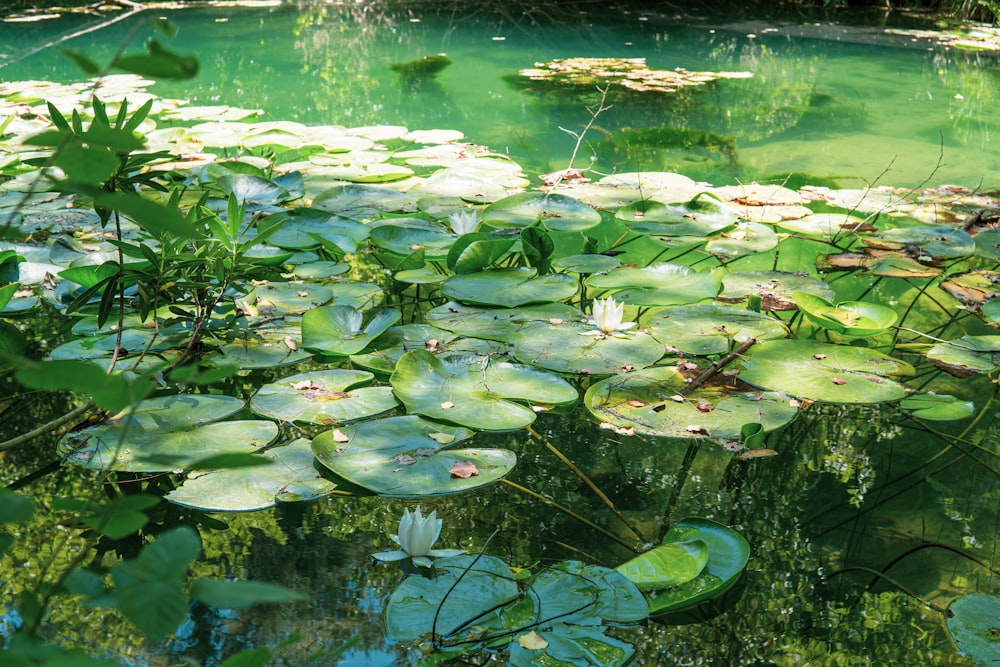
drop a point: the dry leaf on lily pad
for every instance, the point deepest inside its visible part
(464, 469)
(532, 641)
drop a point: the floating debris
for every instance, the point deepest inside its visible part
(631, 73)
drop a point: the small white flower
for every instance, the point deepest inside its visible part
(607, 316)
(417, 534)
(464, 222)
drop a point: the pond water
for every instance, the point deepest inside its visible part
(849, 490)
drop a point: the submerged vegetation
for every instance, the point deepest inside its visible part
(268, 314)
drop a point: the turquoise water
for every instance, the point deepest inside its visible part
(849, 104)
(840, 493)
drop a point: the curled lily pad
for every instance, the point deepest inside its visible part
(700, 599)
(849, 318)
(972, 623)
(659, 285)
(289, 475)
(573, 347)
(556, 212)
(344, 330)
(363, 202)
(967, 355)
(651, 402)
(335, 396)
(823, 372)
(509, 287)
(708, 329)
(409, 456)
(938, 407)
(475, 391)
(500, 324)
(669, 564)
(402, 236)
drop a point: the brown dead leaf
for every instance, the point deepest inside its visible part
(441, 438)
(532, 641)
(756, 454)
(819, 356)
(340, 436)
(696, 428)
(447, 405)
(405, 459)
(838, 381)
(464, 469)
(704, 406)
(426, 451)
(636, 403)
(305, 385)
(302, 294)
(290, 343)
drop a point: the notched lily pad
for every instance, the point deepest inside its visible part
(556, 212)
(576, 347)
(336, 396)
(509, 287)
(659, 285)
(938, 407)
(410, 457)
(709, 329)
(499, 324)
(967, 355)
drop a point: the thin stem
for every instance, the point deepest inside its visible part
(570, 513)
(675, 495)
(48, 427)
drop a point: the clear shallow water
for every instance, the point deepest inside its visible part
(837, 107)
(826, 502)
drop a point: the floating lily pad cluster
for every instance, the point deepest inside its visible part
(630, 73)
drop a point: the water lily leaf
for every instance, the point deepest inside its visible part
(402, 236)
(687, 222)
(746, 238)
(703, 597)
(585, 264)
(774, 288)
(669, 564)
(556, 212)
(323, 397)
(824, 225)
(573, 347)
(320, 270)
(988, 244)
(396, 341)
(650, 402)
(972, 288)
(289, 476)
(276, 343)
(848, 318)
(474, 252)
(256, 192)
(659, 285)
(509, 287)
(709, 329)
(133, 341)
(500, 324)
(464, 589)
(410, 457)
(972, 624)
(355, 294)
(475, 391)
(363, 202)
(823, 372)
(938, 407)
(112, 447)
(344, 330)
(967, 355)
(450, 182)
(937, 242)
(304, 228)
(283, 299)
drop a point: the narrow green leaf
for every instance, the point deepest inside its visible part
(241, 594)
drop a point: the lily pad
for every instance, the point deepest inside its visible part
(824, 372)
(585, 264)
(283, 299)
(397, 341)
(306, 228)
(857, 319)
(700, 599)
(363, 202)
(669, 564)
(973, 625)
(167, 433)
(509, 287)
(475, 391)
(708, 329)
(774, 288)
(410, 457)
(937, 242)
(938, 407)
(500, 324)
(573, 347)
(659, 285)
(555, 211)
(402, 236)
(344, 330)
(745, 238)
(967, 355)
(650, 402)
(290, 475)
(323, 397)
(687, 222)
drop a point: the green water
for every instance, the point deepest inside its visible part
(837, 107)
(848, 486)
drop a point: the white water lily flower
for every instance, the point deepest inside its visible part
(607, 316)
(417, 534)
(464, 222)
